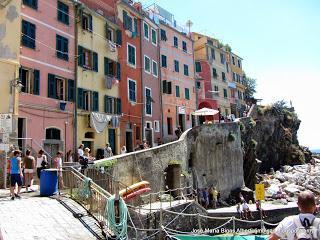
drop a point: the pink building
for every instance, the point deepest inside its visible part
(177, 77)
(46, 106)
(152, 122)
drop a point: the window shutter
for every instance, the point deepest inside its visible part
(52, 86)
(118, 37)
(80, 98)
(136, 26)
(71, 90)
(105, 103)
(164, 86)
(32, 29)
(58, 46)
(90, 23)
(36, 82)
(80, 56)
(118, 71)
(66, 49)
(119, 106)
(107, 29)
(95, 98)
(106, 66)
(95, 62)
(169, 87)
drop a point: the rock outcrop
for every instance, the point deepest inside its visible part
(270, 135)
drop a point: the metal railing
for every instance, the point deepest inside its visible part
(91, 196)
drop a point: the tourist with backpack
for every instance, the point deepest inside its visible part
(302, 226)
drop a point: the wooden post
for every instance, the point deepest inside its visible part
(116, 202)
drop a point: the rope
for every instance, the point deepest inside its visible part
(271, 224)
(119, 229)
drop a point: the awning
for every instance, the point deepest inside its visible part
(205, 112)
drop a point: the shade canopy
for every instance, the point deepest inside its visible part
(205, 112)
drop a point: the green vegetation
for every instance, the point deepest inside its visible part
(253, 143)
(251, 85)
(231, 137)
(242, 127)
(105, 164)
(252, 123)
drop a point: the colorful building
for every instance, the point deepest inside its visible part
(210, 53)
(46, 103)
(238, 105)
(152, 122)
(177, 74)
(98, 77)
(129, 19)
(10, 25)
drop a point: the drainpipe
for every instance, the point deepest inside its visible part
(142, 81)
(75, 125)
(195, 81)
(160, 83)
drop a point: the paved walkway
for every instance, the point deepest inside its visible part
(34, 217)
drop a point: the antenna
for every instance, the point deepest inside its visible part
(189, 25)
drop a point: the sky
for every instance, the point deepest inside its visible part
(279, 42)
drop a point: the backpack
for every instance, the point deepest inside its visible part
(310, 232)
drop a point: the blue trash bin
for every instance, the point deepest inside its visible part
(48, 182)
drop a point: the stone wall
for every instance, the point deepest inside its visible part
(208, 154)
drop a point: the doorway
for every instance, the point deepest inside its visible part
(112, 139)
(129, 144)
(51, 149)
(148, 135)
(181, 121)
(22, 133)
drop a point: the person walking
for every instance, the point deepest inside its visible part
(107, 151)
(42, 162)
(302, 226)
(15, 174)
(57, 163)
(29, 166)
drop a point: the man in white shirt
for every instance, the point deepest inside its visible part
(292, 226)
(107, 151)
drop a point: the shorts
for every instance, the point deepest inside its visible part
(15, 179)
(28, 170)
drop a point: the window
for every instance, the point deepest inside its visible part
(198, 85)
(240, 95)
(186, 70)
(175, 42)
(131, 59)
(233, 76)
(212, 53)
(222, 60)
(127, 21)
(233, 94)
(198, 67)
(88, 100)
(176, 66)
(112, 105)
(28, 38)
(169, 126)
(214, 73)
(166, 87)
(163, 35)
(112, 68)
(163, 61)
(31, 3)
(239, 63)
(155, 68)
(177, 91)
(227, 65)
(62, 47)
(132, 89)
(233, 61)
(148, 101)
(216, 89)
(63, 13)
(157, 126)
(187, 93)
(87, 59)
(109, 34)
(137, 133)
(238, 78)
(146, 31)
(30, 79)
(210, 42)
(60, 88)
(86, 22)
(223, 76)
(184, 46)
(154, 36)
(225, 93)
(53, 133)
(147, 64)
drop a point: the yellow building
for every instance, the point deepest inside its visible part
(238, 77)
(9, 66)
(98, 76)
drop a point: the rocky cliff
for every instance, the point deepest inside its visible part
(270, 135)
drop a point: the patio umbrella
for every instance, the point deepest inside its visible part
(205, 112)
